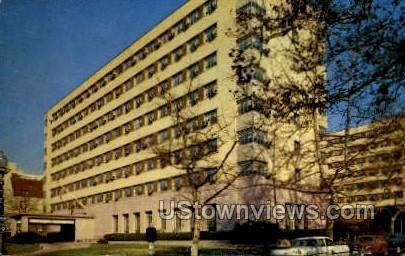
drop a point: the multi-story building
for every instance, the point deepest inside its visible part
(99, 138)
(367, 163)
(23, 192)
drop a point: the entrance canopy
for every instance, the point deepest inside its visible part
(69, 227)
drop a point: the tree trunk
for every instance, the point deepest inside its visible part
(196, 236)
(329, 222)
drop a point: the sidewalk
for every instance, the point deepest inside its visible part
(46, 248)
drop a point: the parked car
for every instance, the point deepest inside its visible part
(314, 245)
(370, 245)
(396, 244)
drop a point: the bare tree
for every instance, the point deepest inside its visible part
(20, 204)
(328, 67)
(199, 144)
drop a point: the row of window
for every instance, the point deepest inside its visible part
(385, 158)
(253, 135)
(146, 119)
(372, 172)
(366, 134)
(252, 103)
(208, 147)
(179, 223)
(371, 197)
(175, 183)
(251, 8)
(139, 167)
(365, 148)
(147, 96)
(253, 167)
(207, 8)
(193, 70)
(251, 41)
(193, 124)
(374, 184)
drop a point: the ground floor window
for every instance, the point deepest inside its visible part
(126, 223)
(149, 218)
(115, 223)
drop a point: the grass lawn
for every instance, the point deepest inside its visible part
(139, 250)
(21, 248)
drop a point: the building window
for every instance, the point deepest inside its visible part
(139, 190)
(163, 87)
(251, 8)
(164, 62)
(211, 61)
(137, 222)
(210, 90)
(177, 157)
(211, 117)
(150, 188)
(115, 224)
(163, 111)
(251, 135)
(192, 125)
(139, 167)
(178, 104)
(194, 16)
(194, 43)
(210, 6)
(178, 78)
(177, 131)
(126, 223)
(164, 185)
(138, 101)
(150, 164)
(139, 77)
(194, 70)
(149, 218)
(180, 27)
(138, 122)
(117, 92)
(150, 117)
(151, 70)
(253, 167)
(163, 136)
(128, 192)
(211, 33)
(212, 146)
(193, 97)
(148, 142)
(249, 42)
(249, 104)
(163, 222)
(179, 53)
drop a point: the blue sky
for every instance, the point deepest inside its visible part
(48, 47)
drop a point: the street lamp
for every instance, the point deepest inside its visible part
(3, 227)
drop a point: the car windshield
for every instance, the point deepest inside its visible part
(308, 242)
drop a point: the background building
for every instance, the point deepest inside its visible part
(23, 192)
(368, 167)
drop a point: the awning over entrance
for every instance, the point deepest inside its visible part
(56, 227)
(49, 221)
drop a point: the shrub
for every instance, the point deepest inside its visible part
(102, 241)
(142, 236)
(125, 237)
(26, 238)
